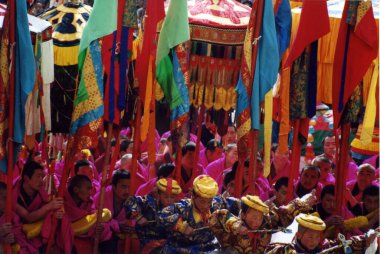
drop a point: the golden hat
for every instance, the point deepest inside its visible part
(255, 203)
(205, 186)
(168, 185)
(86, 152)
(311, 222)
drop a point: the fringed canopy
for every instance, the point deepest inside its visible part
(68, 21)
(217, 31)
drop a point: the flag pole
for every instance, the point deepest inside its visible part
(103, 186)
(341, 173)
(295, 161)
(12, 38)
(255, 133)
(135, 157)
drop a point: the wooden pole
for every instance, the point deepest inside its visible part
(255, 133)
(103, 187)
(69, 163)
(295, 161)
(341, 173)
(12, 37)
(135, 157)
(199, 133)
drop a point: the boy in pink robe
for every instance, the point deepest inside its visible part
(114, 199)
(84, 167)
(308, 181)
(280, 165)
(12, 232)
(31, 201)
(325, 167)
(212, 152)
(217, 168)
(78, 204)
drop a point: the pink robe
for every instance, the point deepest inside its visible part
(352, 171)
(372, 160)
(217, 171)
(75, 212)
(113, 224)
(283, 172)
(330, 179)
(40, 200)
(19, 236)
(260, 190)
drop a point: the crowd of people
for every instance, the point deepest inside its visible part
(195, 213)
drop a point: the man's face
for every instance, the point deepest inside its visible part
(232, 156)
(202, 204)
(253, 218)
(310, 239)
(280, 160)
(365, 178)
(121, 190)
(166, 199)
(86, 171)
(371, 203)
(309, 179)
(230, 137)
(325, 168)
(329, 146)
(83, 192)
(36, 181)
(281, 195)
(328, 203)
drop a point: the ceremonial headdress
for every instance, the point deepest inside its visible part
(205, 186)
(168, 185)
(311, 222)
(255, 203)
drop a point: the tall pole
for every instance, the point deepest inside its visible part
(103, 187)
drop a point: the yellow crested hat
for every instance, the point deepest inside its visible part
(205, 186)
(86, 152)
(311, 222)
(168, 185)
(255, 203)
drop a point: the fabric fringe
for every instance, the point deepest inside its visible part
(64, 56)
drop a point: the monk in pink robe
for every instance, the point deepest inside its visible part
(325, 167)
(78, 204)
(212, 152)
(280, 166)
(12, 232)
(352, 171)
(308, 181)
(31, 201)
(114, 199)
(365, 177)
(219, 167)
(188, 172)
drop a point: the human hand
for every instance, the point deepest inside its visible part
(142, 221)
(5, 229)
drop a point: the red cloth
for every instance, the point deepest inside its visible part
(314, 23)
(364, 39)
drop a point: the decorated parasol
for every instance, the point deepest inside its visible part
(217, 32)
(68, 21)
